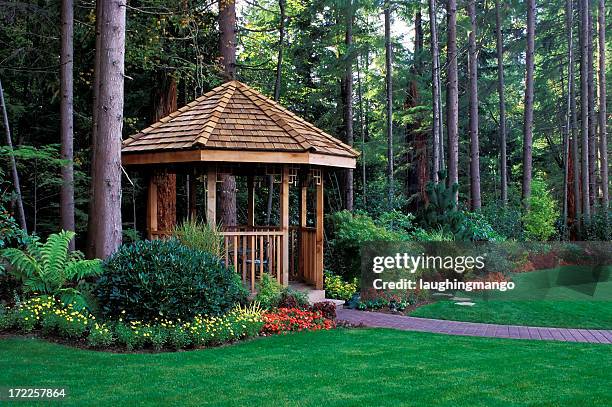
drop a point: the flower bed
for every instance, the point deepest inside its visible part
(286, 320)
(51, 318)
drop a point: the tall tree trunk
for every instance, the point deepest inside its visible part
(389, 96)
(435, 91)
(14, 172)
(603, 137)
(227, 37)
(452, 95)
(107, 198)
(347, 103)
(503, 159)
(584, 107)
(570, 183)
(227, 45)
(277, 89)
(66, 118)
(92, 221)
(474, 145)
(592, 120)
(362, 131)
(281, 43)
(574, 149)
(416, 138)
(528, 114)
(165, 100)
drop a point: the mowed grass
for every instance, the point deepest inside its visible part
(560, 314)
(558, 297)
(358, 367)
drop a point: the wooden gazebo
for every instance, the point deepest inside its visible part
(233, 129)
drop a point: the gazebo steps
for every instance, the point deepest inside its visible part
(312, 294)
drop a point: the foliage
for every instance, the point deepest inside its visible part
(51, 269)
(271, 294)
(504, 219)
(540, 220)
(53, 318)
(397, 221)
(291, 298)
(433, 235)
(51, 315)
(441, 210)
(164, 279)
(294, 319)
(478, 228)
(326, 308)
(100, 336)
(268, 291)
(11, 235)
(336, 288)
(200, 236)
(599, 226)
(350, 232)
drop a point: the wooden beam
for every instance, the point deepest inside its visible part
(250, 201)
(284, 223)
(151, 208)
(319, 238)
(211, 196)
(238, 156)
(303, 219)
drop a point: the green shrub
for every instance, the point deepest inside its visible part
(100, 336)
(200, 236)
(6, 318)
(290, 298)
(179, 337)
(129, 337)
(433, 235)
(50, 269)
(165, 279)
(540, 220)
(598, 227)
(350, 232)
(268, 291)
(396, 221)
(336, 288)
(477, 228)
(505, 220)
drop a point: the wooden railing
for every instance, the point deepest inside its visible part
(253, 253)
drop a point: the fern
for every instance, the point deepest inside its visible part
(50, 269)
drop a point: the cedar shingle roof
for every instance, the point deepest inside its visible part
(234, 116)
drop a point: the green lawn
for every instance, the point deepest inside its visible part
(542, 298)
(357, 367)
(560, 314)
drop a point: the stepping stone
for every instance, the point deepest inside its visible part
(466, 303)
(441, 295)
(460, 299)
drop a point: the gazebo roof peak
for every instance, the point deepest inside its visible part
(234, 117)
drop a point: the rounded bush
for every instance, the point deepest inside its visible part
(164, 279)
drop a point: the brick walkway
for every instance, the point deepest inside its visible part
(381, 320)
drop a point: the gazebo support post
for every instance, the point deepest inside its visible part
(284, 223)
(151, 208)
(318, 277)
(251, 201)
(211, 196)
(303, 218)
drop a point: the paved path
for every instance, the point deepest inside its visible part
(381, 320)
